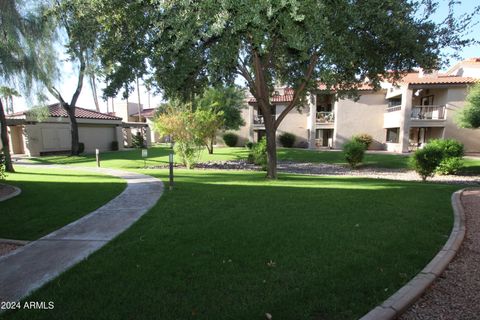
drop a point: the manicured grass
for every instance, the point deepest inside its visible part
(337, 157)
(230, 245)
(159, 155)
(52, 198)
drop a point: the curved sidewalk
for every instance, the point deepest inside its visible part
(33, 265)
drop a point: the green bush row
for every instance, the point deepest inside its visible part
(442, 156)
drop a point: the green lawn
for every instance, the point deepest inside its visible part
(230, 245)
(159, 156)
(52, 198)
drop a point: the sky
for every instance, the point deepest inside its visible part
(68, 82)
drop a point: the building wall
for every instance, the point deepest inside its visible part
(51, 137)
(363, 116)
(245, 132)
(295, 123)
(469, 137)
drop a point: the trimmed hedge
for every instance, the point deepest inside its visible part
(364, 138)
(354, 151)
(287, 139)
(231, 139)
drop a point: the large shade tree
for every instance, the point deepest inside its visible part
(76, 20)
(25, 54)
(189, 44)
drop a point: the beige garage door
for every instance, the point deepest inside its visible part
(97, 137)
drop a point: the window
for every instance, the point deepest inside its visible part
(393, 135)
(394, 102)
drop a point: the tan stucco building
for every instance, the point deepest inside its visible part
(400, 117)
(49, 133)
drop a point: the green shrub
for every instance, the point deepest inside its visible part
(354, 151)
(449, 166)
(425, 161)
(364, 138)
(259, 153)
(138, 141)
(249, 145)
(188, 151)
(114, 146)
(230, 139)
(287, 140)
(81, 147)
(2, 167)
(451, 148)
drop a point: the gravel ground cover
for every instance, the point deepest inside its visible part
(455, 295)
(334, 170)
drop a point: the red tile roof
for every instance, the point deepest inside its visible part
(55, 110)
(147, 113)
(414, 78)
(287, 96)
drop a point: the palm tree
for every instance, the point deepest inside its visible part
(7, 94)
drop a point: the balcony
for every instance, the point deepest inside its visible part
(325, 117)
(428, 113)
(393, 108)
(259, 121)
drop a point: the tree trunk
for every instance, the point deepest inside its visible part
(93, 86)
(270, 132)
(210, 145)
(5, 142)
(75, 151)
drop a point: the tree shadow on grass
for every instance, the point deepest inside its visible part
(242, 249)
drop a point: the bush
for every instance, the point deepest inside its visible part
(259, 153)
(364, 138)
(425, 161)
(287, 140)
(2, 167)
(449, 166)
(81, 147)
(230, 139)
(188, 151)
(354, 151)
(249, 145)
(114, 145)
(451, 148)
(138, 141)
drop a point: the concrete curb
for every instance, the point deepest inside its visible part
(11, 195)
(399, 302)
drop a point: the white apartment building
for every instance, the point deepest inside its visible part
(400, 117)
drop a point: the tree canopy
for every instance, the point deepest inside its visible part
(26, 55)
(469, 117)
(187, 45)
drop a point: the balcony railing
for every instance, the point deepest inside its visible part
(394, 108)
(428, 113)
(260, 120)
(325, 117)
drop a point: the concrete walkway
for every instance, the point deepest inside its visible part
(33, 265)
